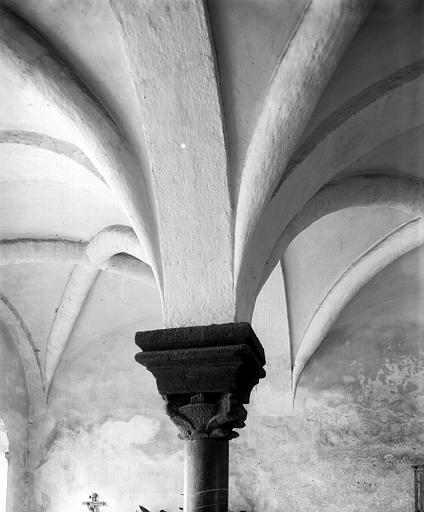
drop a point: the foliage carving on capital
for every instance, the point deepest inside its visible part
(208, 417)
(205, 375)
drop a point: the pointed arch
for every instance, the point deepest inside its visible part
(382, 111)
(394, 245)
(298, 82)
(28, 352)
(400, 192)
(25, 54)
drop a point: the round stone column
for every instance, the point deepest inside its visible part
(206, 476)
(205, 374)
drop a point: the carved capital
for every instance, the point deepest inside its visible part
(205, 374)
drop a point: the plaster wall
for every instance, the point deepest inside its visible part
(22, 162)
(104, 428)
(22, 285)
(348, 444)
(321, 253)
(249, 38)
(357, 424)
(24, 109)
(390, 38)
(87, 35)
(401, 154)
(13, 411)
(42, 209)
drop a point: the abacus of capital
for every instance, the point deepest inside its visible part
(205, 375)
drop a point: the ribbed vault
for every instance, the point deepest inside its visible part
(200, 157)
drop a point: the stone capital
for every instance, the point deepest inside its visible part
(205, 374)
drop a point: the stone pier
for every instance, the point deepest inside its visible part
(205, 375)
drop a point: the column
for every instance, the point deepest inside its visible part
(205, 375)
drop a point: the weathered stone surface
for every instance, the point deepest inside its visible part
(205, 374)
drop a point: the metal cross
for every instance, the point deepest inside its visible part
(93, 505)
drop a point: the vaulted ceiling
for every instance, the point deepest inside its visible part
(171, 154)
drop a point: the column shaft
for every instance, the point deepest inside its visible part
(206, 476)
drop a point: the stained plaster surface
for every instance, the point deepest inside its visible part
(348, 445)
(105, 429)
(357, 424)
